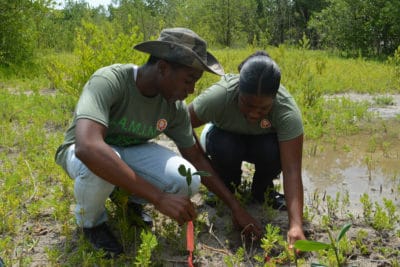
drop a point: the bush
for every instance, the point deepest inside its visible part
(95, 47)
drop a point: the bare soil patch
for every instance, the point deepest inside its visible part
(217, 238)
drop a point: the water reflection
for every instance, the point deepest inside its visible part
(353, 167)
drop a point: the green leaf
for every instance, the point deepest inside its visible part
(345, 228)
(202, 173)
(189, 178)
(307, 245)
(182, 170)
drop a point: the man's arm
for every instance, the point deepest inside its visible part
(213, 183)
(101, 159)
(291, 158)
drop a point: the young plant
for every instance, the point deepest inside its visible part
(188, 174)
(275, 248)
(235, 260)
(309, 245)
(149, 242)
(190, 227)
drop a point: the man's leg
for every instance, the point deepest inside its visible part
(227, 152)
(159, 166)
(91, 193)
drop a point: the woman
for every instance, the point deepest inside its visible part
(255, 119)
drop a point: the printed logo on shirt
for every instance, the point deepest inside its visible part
(162, 124)
(264, 123)
(125, 132)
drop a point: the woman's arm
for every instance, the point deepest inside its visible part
(291, 159)
(196, 122)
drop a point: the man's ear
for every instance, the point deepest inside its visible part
(162, 67)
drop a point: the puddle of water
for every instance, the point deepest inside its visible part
(354, 170)
(384, 112)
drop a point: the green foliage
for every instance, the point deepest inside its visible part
(31, 26)
(385, 217)
(384, 100)
(374, 22)
(230, 24)
(18, 34)
(187, 173)
(309, 245)
(382, 218)
(95, 47)
(149, 242)
(236, 259)
(58, 27)
(275, 249)
(29, 133)
(149, 16)
(395, 62)
(34, 120)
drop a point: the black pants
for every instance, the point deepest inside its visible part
(228, 150)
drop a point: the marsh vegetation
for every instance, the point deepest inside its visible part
(351, 175)
(348, 94)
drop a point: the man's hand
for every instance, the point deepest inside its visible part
(294, 234)
(179, 208)
(250, 227)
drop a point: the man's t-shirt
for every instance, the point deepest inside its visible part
(112, 99)
(219, 105)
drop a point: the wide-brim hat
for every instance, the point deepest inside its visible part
(182, 46)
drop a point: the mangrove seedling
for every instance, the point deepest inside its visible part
(190, 227)
(309, 245)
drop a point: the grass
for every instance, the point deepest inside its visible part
(37, 196)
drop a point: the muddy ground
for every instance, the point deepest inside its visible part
(218, 239)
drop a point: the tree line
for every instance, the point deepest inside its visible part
(368, 28)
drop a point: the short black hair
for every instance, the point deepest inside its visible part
(259, 75)
(153, 60)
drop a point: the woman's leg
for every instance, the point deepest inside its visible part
(227, 152)
(263, 151)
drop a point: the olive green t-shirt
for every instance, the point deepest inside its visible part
(219, 105)
(111, 98)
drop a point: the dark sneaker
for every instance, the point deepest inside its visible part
(101, 238)
(136, 211)
(211, 199)
(277, 200)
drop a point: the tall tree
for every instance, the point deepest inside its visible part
(144, 14)
(18, 33)
(275, 18)
(370, 27)
(222, 22)
(303, 10)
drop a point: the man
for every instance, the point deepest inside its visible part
(107, 146)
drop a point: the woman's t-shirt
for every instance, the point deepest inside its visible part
(219, 105)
